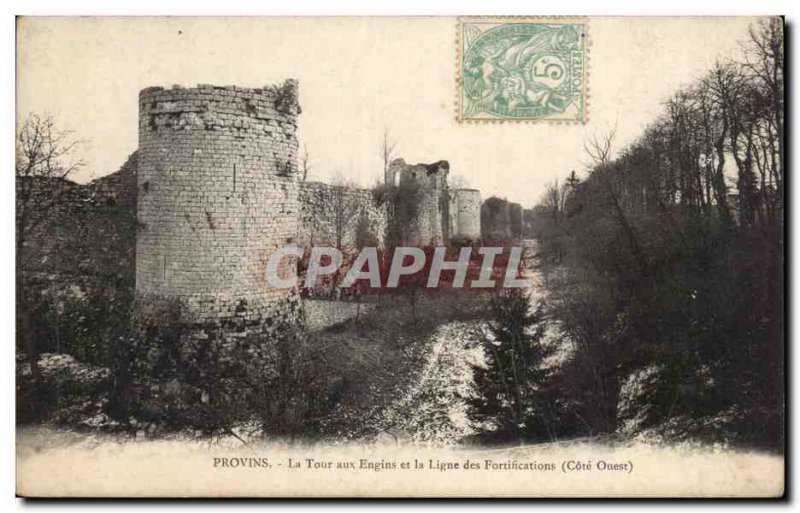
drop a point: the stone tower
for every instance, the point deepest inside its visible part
(432, 223)
(218, 194)
(465, 212)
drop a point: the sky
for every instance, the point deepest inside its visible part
(357, 77)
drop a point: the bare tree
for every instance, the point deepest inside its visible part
(305, 163)
(345, 210)
(698, 196)
(388, 145)
(599, 149)
(457, 182)
(599, 146)
(764, 66)
(45, 156)
(554, 200)
(44, 159)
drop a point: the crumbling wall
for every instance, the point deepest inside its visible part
(340, 216)
(495, 219)
(217, 195)
(321, 313)
(501, 219)
(77, 263)
(431, 226)
(120, 187)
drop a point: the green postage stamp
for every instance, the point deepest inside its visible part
(522, 69)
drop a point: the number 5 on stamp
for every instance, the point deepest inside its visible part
(518, 69)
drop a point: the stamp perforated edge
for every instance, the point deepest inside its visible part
(536, 19)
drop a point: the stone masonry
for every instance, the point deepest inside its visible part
(432, 224)
(465, 213)
(217, 195)
(339, 215)
(218, 192)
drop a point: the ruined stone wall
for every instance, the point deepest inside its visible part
(465, 213)
(432, 222)
(119, 187)
(332, 212)
(217, 195)
(76, 285)
(321, 313)
(80, 232)
(495, 219)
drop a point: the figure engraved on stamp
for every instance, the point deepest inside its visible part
(522, 70)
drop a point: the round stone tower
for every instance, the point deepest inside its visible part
(218, 194)
(466, 210)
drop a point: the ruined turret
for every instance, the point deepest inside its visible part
(431, 225)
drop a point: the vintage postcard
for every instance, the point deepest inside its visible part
(400, 257)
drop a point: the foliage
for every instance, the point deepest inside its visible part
(177, 376)
(403, 202)
(495, 219)
(511, 385)
(656, 261)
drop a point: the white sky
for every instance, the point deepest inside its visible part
(356, 75)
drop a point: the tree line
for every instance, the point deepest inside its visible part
(665, 264)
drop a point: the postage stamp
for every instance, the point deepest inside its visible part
(522, 69)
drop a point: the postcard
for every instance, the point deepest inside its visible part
(466, 257)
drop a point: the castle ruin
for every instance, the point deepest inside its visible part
(442, 213)
(184, 231)
(218, 193)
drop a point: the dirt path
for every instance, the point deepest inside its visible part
(433, 410)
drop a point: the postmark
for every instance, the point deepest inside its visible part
(522, 69)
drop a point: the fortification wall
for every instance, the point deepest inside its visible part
(217, 195)
(321, 313)
(332, 212)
